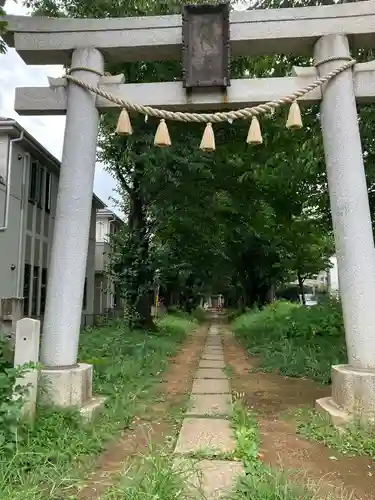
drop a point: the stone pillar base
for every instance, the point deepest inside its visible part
(353, 396)
(70, 388)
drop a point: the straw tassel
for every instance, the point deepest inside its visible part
(294, 121)
(208, 139)
(124, 127)
(162, 139)
(254, 135)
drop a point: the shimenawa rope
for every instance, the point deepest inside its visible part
(240, 114)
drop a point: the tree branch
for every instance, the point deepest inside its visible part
(121, 179)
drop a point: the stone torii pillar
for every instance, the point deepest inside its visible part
(69, 383)
(353, 385)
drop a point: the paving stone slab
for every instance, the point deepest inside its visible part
(212, 353)
(210, 373)
(214, 357)
(210, 404)
(205, 434)
(210, 386)
(213, 330)
(215, 479)
(213, 350)
(211, 363)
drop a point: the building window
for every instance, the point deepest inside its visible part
(3, 161)
(43, 291)
(33, 186)
(84, 305)
(26, 289)
(47, 193)
(39, 194)
(34, 302)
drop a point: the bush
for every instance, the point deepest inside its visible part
(233, 314)
(295, 340)
(199, 314)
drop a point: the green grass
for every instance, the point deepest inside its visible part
(52, 455)
(259, 482)
(295, 341)
(155, 477)
(353, 440)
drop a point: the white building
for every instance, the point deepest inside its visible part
(327, 279)
(29, 177)
(333, 277)
(107, 296)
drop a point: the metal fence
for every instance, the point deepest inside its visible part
(101, 319)
(94, 320)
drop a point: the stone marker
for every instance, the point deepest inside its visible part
(27, 351)
(205, 434)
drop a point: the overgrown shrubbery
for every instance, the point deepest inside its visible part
(127, 365)
(357, 440)
(297, 341)
(233, 314)
(199, 314)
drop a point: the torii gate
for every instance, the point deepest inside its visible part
(322, 31)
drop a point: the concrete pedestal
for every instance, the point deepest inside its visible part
(70, 387)
(353, 392)
(353, 396)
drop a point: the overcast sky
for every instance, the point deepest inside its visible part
(15, 73)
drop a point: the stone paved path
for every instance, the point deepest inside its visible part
(206, 430)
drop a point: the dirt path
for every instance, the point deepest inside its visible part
(271, 395)
(156, 425)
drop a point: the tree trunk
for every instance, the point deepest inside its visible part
(301, 288)
(141, 297)
(271, 294)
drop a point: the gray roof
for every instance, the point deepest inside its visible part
(106, 212)
(36, 148)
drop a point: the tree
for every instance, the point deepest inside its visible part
(221, 222)
(3, 25)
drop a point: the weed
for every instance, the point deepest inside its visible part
(353, 440)
(12, 394)
(58, 448)
(199, 314)
(210, 454)
(294, 340)
(259, 481)
(156, 476)
(229, 371)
